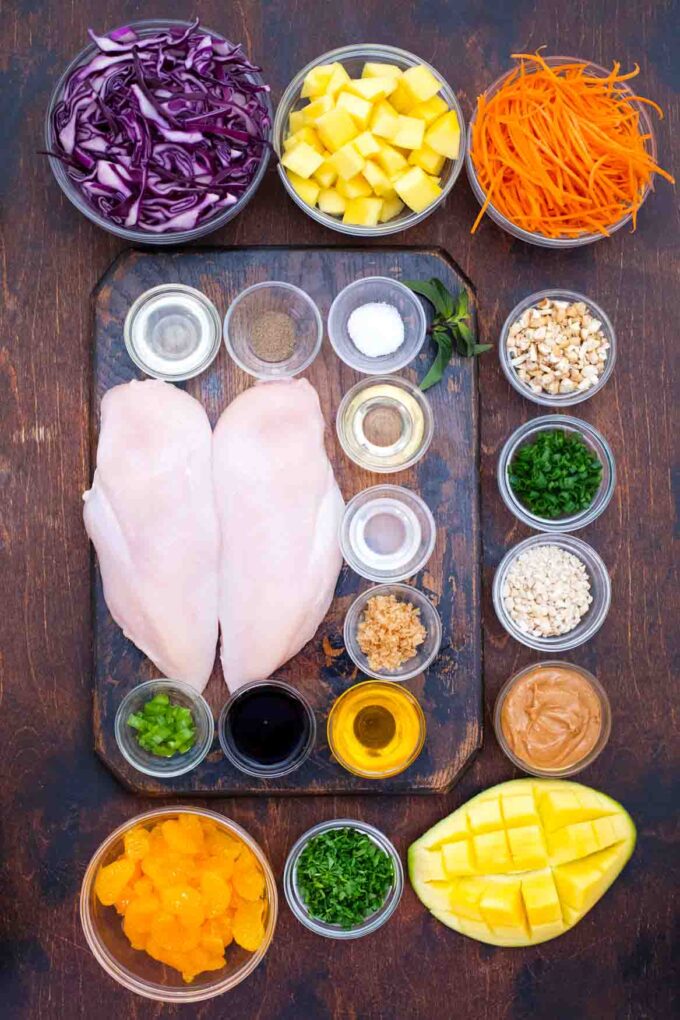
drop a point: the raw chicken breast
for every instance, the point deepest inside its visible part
(151, 516)
(279, 508)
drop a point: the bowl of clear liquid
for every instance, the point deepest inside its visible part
(387, 533)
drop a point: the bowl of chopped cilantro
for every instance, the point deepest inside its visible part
(343, 879)
(164, 728)
(556, 473)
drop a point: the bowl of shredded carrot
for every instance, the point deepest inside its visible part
(561, 152)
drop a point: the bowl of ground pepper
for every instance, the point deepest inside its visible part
(273, 330)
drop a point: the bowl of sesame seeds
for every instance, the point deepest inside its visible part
(551, 593)
(557, 348)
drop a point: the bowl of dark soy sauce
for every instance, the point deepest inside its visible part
(267, 729)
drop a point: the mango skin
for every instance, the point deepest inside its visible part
(522, 862)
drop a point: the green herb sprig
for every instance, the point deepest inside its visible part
(343, 877)
(450, 326)
(163, 729)
(556, 475)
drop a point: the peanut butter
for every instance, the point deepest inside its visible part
(551, 717)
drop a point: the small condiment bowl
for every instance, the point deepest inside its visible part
(572, 770)
(600, 590)
(259, 300)
(381, 290)
(179, 694)
(333, 931)
(409, 512)
(595, 442)
(556, 399)
(429, 617)
(172, 332)
(134, 969)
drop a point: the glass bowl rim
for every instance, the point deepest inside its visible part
(199, 704)
(597, 748)
(374, 921)
(172, 994)
(145, 237)
(545, 423)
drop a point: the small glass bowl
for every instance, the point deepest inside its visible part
(383, 290)
(595, 442)
(135, 969)
(383, 459)
(556, 399)
(646, 128)
(353, 58)
(246, 765)
(570, 770)
(429, 618)
(334, 931)
(74, 195)
(600, 590)
(408, 512)
(179, 694)
(263, 298)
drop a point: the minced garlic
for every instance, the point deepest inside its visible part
(389, 632)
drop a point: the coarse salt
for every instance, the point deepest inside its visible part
(376, 329)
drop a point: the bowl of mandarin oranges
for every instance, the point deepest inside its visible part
(179, 905)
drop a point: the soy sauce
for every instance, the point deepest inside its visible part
(267, 729)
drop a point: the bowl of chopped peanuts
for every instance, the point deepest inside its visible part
(557, 348)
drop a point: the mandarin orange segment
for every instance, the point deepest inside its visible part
(216, 893)
(186, 903)
(137, 843)
(248, 881)
(112, 879)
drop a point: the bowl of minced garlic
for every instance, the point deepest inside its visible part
(392, 632)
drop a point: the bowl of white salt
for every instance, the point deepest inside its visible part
(377, 325)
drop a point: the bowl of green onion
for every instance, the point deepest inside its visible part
(343, 879)
(556, 473)
(164, 728)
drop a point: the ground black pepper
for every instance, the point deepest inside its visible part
(273, 336)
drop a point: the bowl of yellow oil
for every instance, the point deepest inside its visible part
(385, 424)
(376, 729)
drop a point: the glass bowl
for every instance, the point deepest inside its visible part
(646, 126)
(405, 403)
(600, 590)
(570, 770)
(139, 972)
(557, 399)
(379, 289)
(273, 297)
(429, 617)
(595, 442)
(353, 58)
(333, 931)
(412, 527)
(74, 195)
(179, 694)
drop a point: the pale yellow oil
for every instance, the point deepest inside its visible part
(384, 426)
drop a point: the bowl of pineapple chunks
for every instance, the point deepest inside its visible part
(370, 140)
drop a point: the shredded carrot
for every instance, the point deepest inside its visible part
(562, 152)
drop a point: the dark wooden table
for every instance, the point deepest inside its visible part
(58, 801)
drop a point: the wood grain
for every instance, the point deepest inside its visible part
(57, 801)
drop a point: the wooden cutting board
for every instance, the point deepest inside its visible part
(447, 479)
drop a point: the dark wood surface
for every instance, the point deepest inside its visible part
(59, 801)
(447, 478)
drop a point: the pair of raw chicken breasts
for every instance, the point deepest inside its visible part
(195, 530)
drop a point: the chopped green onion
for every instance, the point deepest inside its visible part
(162, 728)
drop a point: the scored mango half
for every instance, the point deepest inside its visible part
(522, 862)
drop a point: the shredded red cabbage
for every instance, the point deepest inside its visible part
(161, 132)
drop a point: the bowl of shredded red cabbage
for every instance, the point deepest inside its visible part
(160, 131)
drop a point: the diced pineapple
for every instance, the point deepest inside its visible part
(363, 212)
(316, 109)
(332, 202)
(384, 119)
(392, 162)
(430, 110)
(391, 208)
(427, 159)
(355, 187)
(326, 175)
(307, 190)
(378, 70)
(417, 189)
(378, 179)
(458, 858)
(371, 89)
(527, 847)
(409, 134)
(347, 161)
(401, 99)
(335, 129)
(485, 816)
(337, 80)
(367, 145)
(444, 135)
(492, 853)
(316, 81)
(421, 83)
(305, 134)
(360, 110)
(296, 121)
(302, 159)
